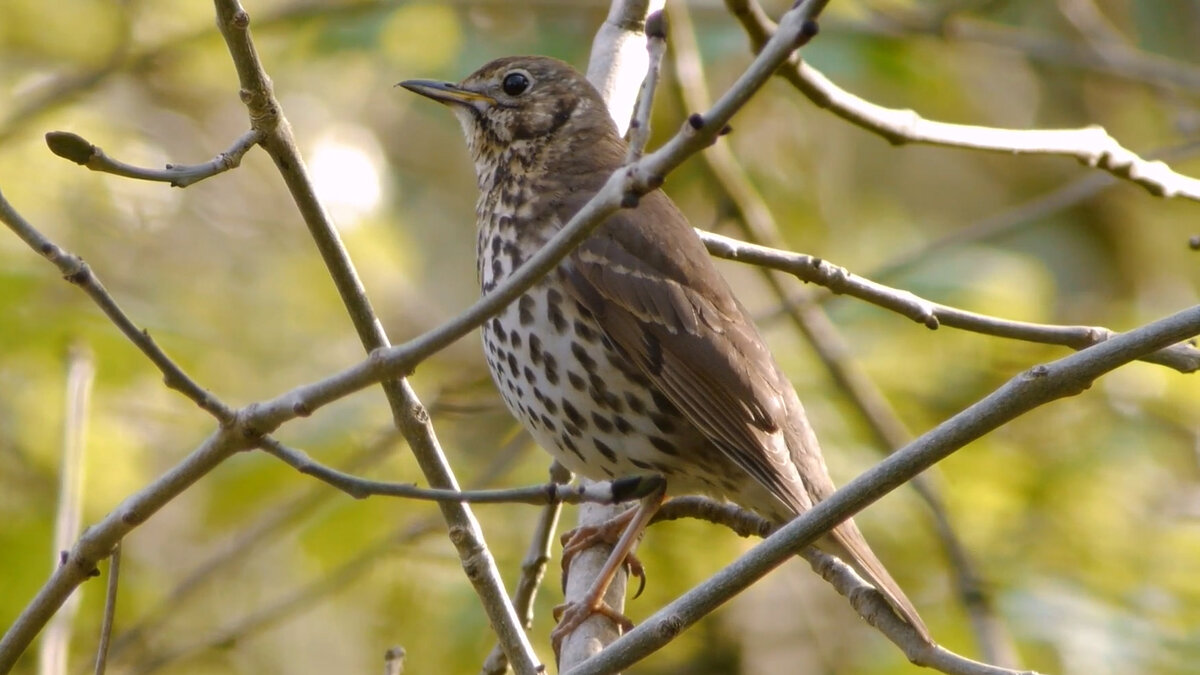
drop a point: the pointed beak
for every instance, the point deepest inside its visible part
(448, 93)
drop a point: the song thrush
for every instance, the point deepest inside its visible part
(633, 356)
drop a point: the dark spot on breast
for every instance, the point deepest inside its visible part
(572, 430)
(664, 446)
(583, 331)
(636, 405)
(498, 330)
(639, 463)
(622, 424)
(554, 313)
(600, 393)
(551, 406)
(584, 359)
(550, 425)
(576, 380)
(605, 450)
(566, 442)
(551, 368)
(535, 349)
(529, 376)
(496, 243)
(602, 423)
(515, 337)
(573, 414)
(512, 364)
(497, 268)
(525, 307)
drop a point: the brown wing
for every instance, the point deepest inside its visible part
(656, 293)
(652, 287)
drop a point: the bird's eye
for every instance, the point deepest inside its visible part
(515, 84)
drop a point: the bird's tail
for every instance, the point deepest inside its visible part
(847, 543)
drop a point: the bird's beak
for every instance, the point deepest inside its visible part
(448, 93)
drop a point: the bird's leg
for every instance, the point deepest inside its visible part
(609, 532)
(571, 614)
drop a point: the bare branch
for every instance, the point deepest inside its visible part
(1181, 357)
(409, 414)
(1091, 145)
(602, 492)
(110, 610)
(79, 150)
(656, 46)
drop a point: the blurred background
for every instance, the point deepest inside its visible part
(1081, 518)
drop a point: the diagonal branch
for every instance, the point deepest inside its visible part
(408, 413)
(1035, 387)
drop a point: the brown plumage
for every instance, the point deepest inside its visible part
(633, 356)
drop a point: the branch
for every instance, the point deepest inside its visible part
(533, 570)
(1181, 357)
(1091, 145)
(77, 149)
(863, 597)
(110, 610)
(1035, 387)
(600, 492)
(409, 415)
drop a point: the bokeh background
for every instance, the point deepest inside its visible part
(1083, 518)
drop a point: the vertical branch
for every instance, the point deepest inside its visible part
(409, 414)
(53, 651)
(110, 610)
(617, 68)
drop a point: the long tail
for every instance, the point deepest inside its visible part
(847, 543)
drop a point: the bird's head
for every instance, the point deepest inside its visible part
(522, 103)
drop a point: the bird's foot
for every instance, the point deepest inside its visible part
(580, 539)
(571, 615)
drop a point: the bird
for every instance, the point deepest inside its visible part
(633, 357)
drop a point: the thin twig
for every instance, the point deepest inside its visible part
(1181, 357)
(656, 46)
(600, 492)
(1035, 387)
(78, 272)
(1091, 145)
(77, 149)
(110, 610)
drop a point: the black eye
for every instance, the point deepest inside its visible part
(515, 84)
